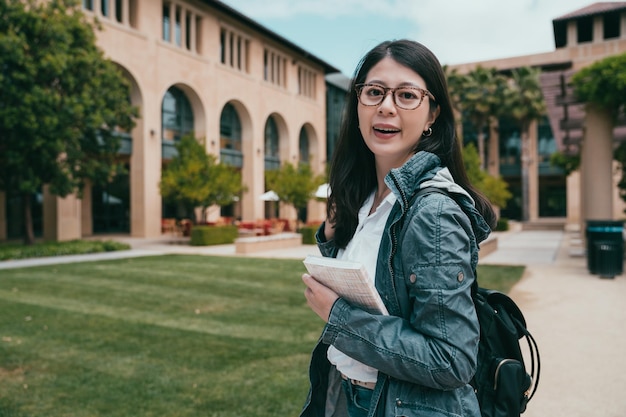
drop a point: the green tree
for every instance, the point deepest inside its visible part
(482, 97)
(295, 185)
(524, 104)
(603, 83)
(494, 188)
(456, 85)
(194, 178)
(568, 163)
(62, 102)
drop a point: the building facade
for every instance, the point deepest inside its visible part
(254, 99)
(581, 38)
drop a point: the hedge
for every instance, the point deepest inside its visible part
(213, 235)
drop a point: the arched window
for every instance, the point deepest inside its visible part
(272, 152)
(176, 120)
(304, 145)
(176, 115)
(230, 137)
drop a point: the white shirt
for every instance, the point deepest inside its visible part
(363, 248)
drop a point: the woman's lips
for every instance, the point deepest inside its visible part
(385, 131)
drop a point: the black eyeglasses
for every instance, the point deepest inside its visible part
(407, 98)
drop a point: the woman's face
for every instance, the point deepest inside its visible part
(389, 131)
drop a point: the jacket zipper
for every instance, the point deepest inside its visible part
(394, 238)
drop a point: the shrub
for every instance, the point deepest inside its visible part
(502, 225)
(72, 247)
(213, 235)
(308, 234)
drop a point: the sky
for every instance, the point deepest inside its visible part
(458, 31)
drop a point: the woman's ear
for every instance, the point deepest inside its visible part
(432, 116)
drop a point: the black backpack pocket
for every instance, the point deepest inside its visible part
(510, 379)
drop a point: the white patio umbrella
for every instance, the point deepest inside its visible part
(269, 196)
(323, 191)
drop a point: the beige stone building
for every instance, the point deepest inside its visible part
(581, 38)
(255, 99)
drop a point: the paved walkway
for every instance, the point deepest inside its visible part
(578, 319)
(579, 322)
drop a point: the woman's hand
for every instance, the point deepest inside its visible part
(319, 297)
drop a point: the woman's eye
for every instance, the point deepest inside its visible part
(407, 95)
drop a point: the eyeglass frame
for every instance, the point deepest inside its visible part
(358, 88)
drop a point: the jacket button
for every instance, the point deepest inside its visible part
(412, 278)
(399, 403)
(460, 277)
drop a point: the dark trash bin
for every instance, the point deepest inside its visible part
(605, 247)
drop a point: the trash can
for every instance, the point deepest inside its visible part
(605, 247)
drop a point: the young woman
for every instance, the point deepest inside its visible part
(398, 136)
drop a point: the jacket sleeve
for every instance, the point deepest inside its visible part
(436, 345)
(327, 248)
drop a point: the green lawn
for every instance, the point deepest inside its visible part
(159, 336)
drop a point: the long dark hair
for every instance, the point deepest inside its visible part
(352, 171)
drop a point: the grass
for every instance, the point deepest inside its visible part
(176, 335)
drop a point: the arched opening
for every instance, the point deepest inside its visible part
(231, 152)
(177, 120)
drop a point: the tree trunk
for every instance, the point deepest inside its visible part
(29, 235)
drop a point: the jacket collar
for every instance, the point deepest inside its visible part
(405, 180)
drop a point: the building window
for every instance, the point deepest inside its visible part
(303, 145)
(560, 34)
(584, 26)
(180, 27)
(230, 137)
(272, 152)
(120, 11)
(234, 49)
(177, 28)
(611, 25)
(176, 115)
(274, 68)
(307, 80)
(104, 8)
(166, 22)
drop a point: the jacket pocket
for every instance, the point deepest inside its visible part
(408, 409)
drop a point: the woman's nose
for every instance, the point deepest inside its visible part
(387, 105)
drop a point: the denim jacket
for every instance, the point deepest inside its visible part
(426, 349)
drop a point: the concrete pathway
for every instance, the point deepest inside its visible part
(579, 322)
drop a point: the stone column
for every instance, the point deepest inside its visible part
(596, 165)
(62, 217)
(533, 173)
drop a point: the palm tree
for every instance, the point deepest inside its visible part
(482, 97)
(524, 103)
(456, 86)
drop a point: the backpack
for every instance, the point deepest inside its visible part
(502, 383)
